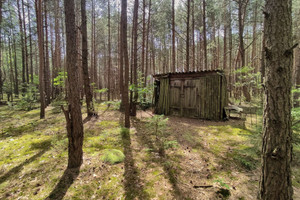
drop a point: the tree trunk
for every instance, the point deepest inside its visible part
(135, 56)
(16, 68)
(1, 79)
(124, 57)
(204, 35)
(92, 46)
(173, 38)
(297, 76)
(39, 18)
(121, 70)
(30, 43)
(187, 48)
(109, 54)
(86, 78)
(22, 45)
(242, 5)
(57, 51)
(11, 74)
(253, 53)
(193, 37)
(95, 56)
(225, 46)
(25, 43)
(147, 46)
(47, 65)
(73, 114)
(230, 49)
(276, 179)
(143, 39)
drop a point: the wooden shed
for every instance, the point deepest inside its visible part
(201, 94)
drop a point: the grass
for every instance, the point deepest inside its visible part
(126, 164)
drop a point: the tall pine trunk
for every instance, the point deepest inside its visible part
(25, 44)
(39, 17)
(204, 35)
(22, 46)
(73, 113)
(173, 38)
(86, 78)
(47, 64)
(109, 54)
(276, 179)
(124, 57)
(135, 56)
(187, 45)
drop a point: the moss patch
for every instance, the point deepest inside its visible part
(112, 156)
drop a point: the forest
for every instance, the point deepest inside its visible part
(150, 99)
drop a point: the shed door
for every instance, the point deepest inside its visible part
(175, 93)
(189, 99)
(208, 97)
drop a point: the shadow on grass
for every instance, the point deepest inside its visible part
(228, 152)
(12, 131)
(132, 184)
(162, 160)
(63, 185)
(44, 146)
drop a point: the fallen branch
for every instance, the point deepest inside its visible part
(203, 186)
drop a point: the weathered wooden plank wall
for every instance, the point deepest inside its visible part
(198, 97)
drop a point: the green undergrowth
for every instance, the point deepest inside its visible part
(127, 164)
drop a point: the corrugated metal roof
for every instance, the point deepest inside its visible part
(194, 73)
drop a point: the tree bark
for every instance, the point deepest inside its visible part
(39, 17)
(57, 51)
(85, 70)
(276, 179)
(297, 76)
(124, 57)
(143, 39)
(1, 79)
(25, 43)
(16, 89)
(30, 43)
(193, 37)
(73, 114)
(147, 46)
(204, 35)
(135, 56)
(187, 45)
(47, 64)
(22, 46)
(173, 38)
(242, 6)
(109, 54)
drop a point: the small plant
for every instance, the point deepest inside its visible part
(29, 99)
(222, 183)
(59, 80)
(145, 93)
(158, 125)
(172, 144)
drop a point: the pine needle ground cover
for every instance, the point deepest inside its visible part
(202, 159)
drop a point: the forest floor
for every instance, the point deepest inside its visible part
(203, 159)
